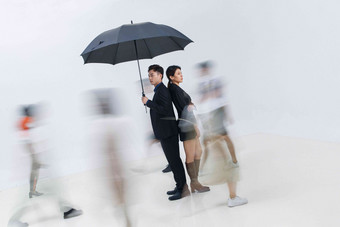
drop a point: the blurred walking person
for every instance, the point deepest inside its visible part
(112, 134)
(218, 165)
(34, 136)
(26, 126)
(188, 130)
(212, 100)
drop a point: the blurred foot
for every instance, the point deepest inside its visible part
(34, 193)
(17, 224)
(235, 164)
(72, 213)
(167, 169)
(237, 201)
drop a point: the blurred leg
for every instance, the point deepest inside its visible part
(231, 148)
(232, 189)
(205, 153)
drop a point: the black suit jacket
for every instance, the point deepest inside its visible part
(160, 108)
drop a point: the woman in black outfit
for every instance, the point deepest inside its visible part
(189, 133)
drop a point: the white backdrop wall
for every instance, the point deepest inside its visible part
(279, 58)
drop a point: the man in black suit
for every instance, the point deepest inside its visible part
(166, 130)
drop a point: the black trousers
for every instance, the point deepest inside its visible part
(171, 150)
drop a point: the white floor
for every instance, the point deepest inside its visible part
(288, 182)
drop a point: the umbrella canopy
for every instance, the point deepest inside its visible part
(133, 42)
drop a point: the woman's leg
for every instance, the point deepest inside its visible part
(198, 149)
(190, 147)
(198, 154)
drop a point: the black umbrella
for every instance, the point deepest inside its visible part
(133, 42)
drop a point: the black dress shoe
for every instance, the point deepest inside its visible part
(176, 196)
(180, 193)
(172, 192)
(167, 169)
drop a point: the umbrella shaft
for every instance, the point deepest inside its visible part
(140, 74)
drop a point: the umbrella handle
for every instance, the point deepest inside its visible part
(146, 109)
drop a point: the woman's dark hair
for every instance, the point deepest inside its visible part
(170, 71)
(157, 68)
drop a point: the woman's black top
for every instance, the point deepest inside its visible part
(180, 98)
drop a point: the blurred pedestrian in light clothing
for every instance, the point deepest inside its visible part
(27, 126)
(112, 130)
(33, 134)
(218, 165)
(188, 131)
(213, 101)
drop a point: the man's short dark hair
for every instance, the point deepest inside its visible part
(156, 68)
